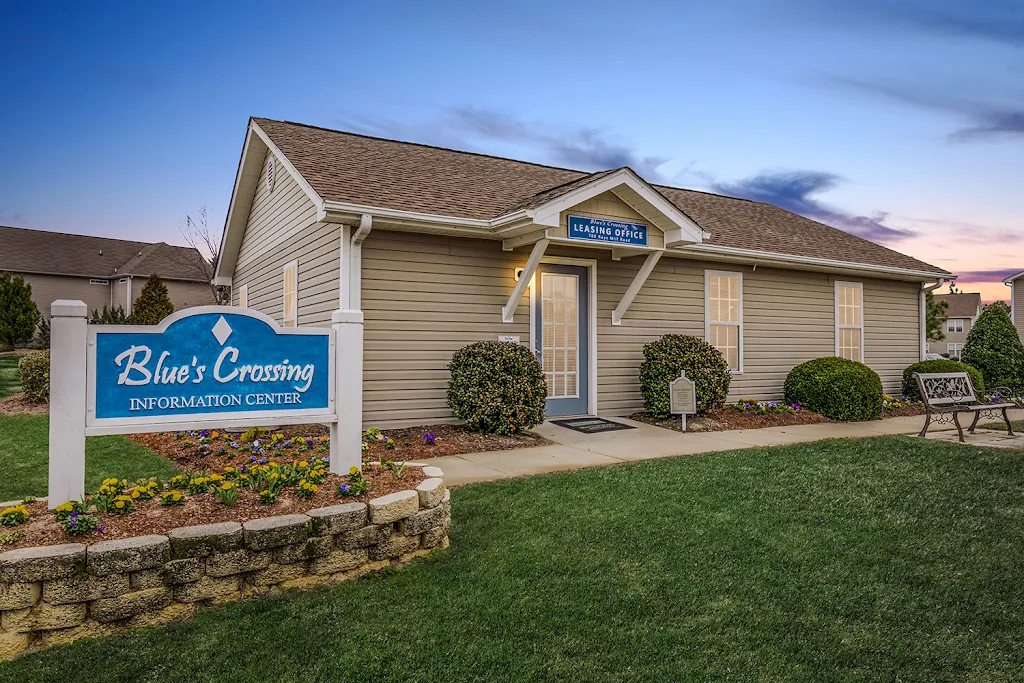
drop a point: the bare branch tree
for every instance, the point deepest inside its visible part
(196, 233)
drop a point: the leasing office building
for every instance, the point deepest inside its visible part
(440, 248)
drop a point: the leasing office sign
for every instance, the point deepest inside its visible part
(207, 362)
(609, 231)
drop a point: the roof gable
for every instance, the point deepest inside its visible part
(961, 305)
(361, 174)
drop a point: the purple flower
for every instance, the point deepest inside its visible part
(74, 514)
(343, 488)
(252, 459)
(100, 528)
(234, 444)
(309, 442)
(263, 461)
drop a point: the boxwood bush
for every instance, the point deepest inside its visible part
(837, 388)
(665, 358)
(496, 387)
(34, 370)
(910, 390)
(993, 346)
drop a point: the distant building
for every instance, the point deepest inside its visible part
(1016, 285)
(99, 270)
(962, 311)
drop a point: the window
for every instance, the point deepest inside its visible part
(291, 294)
(243, 296)
(953, 350)
(98, 282)
(850, 321)
(955, 325)
(723, 315)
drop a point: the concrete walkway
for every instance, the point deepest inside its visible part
(573, 450)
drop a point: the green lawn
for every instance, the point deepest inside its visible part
(889, 559)
(10, 382)
(24, 460)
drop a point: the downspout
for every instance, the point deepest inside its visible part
(923, 311)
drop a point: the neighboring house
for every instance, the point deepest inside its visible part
(1016, 285)
(961, 312)
(441, 248)
(100, 271)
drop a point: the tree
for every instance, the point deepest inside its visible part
(994, 347)
(19, 316)
(935, 317)
(109, 316)
(953, 289)
(999, 304)
(154, 303)
(196, 233)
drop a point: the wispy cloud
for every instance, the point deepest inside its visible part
(984, 120)
(798, 191)
(991, 20)
(979, 276)
(478, 129)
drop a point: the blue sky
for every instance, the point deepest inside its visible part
(901, 121)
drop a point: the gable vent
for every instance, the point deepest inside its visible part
(271, 173)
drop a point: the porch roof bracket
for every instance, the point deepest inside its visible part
(634, 287)
(509, 310)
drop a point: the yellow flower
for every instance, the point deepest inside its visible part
(302, 482)
(119, 504)
(135, 493)
(215, 434)
(66, 507)
(354, 470)
(227, 486)
(229, 469)
(216, 477)
(303, 464)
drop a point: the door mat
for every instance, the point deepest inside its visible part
(591, 425)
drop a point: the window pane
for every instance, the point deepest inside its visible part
(725, 338)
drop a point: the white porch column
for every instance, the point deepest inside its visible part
(347, 432)
(68, 333)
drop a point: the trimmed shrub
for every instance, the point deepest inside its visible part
(994, 347)
(665, 358)
(837, 388)
(910, 391)
(109, 316)
(497, 387)
(34, 369)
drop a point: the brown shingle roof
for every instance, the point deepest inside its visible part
(39, 251)
(374, 172)
(964, 305)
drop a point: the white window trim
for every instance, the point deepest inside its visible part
(835, 306)
(243, 291)
(950, 325)
(708, 274)
(950, 349)
(284, 269)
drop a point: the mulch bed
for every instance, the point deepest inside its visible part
(908, 411)
(725, 419)
(17, 404)
(149, 517)
(409, 445)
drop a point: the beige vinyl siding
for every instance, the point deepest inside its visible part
(892, 329)
(1017, 301)
(423, 298)
(48, 288)
(282, 228)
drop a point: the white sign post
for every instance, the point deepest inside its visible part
(208, 367)
(682, 397)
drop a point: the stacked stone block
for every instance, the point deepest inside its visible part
(56, 594)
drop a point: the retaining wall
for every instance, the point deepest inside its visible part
(59, 593)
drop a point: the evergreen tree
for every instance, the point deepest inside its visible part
(18, 313)
(109, 316)
(994, 347)
(935, 322)
(154, 303)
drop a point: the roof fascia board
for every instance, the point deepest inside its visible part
(1010, 279)
(231, 237)
(807, 262)
(108, 276)
(549, 214)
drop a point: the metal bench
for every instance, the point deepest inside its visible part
(947, 394)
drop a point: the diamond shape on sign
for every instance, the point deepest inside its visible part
(222, 330)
